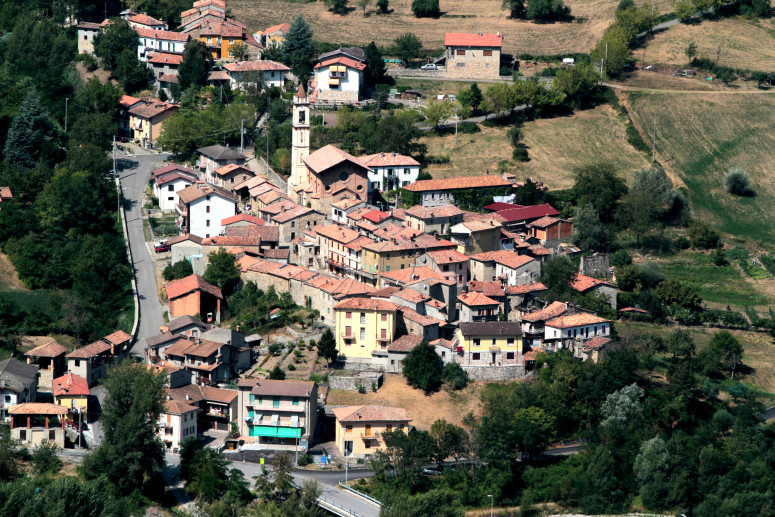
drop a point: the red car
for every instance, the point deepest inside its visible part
(162, 247)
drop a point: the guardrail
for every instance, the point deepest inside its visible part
(356, 492)
(331, 506)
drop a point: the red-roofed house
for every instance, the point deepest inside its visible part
(242, 219)
(86, 33)
(581, 327)
(519, 218)
(176, 423)
(143, 21)
(439, 219)
(595, 349)
(475, 306)
(342, 208)
(331, 175)
(146, 120)
(192, 296)
(550, 229)
(477, 236)
(5, 194)
(339, 79)
(266, 73)
(151, 40)
(229, 175)
(364, 326)
(71, 391)
(586, 284)
(390, 170)
(442, 191)
(450, 263)
(202, 207)
(515, 269)
(472, 55)
(274, 35)
(359, 428)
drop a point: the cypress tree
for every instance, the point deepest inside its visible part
(299, 49)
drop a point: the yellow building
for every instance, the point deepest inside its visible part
(364, 325)
(71, 391)
(490, 343)
(394, 254)
(274, 35)
(219, 37)
(359, 428)
(146, 119)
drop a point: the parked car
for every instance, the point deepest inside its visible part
(162, 247)
(431, 471)
(429, 66)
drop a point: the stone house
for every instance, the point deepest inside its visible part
(86, 33)
(492, 344)
(475, 306)
(452, 264)
(230, 175)
(473, 55)
(332, 175)
(437, 192)
(50, 360)
(477, 236)
(429, 219)
(586, 285)
(294, 222)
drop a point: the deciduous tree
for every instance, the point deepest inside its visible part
(422, 368)
(195, 66)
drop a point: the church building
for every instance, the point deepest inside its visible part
(327, 175)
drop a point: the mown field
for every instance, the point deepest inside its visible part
(700, 136)
(736, 42)
(592, 18)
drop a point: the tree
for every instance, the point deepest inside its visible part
(327, 346)
(702, 235)
(532, 430)
(639, 213)
(96, 129)
(737, 182)
(558, 277)
(727, 350)
(239, 51)
(684, 9)
(436, 112)
(131, 73)
(98, 97)
(546, 10)
(439, 503)
(674, 292)
(621, 258)
(422, 368)
(691, 51)
(454, 376)
(9, 462)
(407, 46)
(577, 84)
(407, 453)
(383, 6)
(502, 97)
(614, 45)
(44, 458)
(680, 345)
(650, 467)
(471, 97)
(654, 183)
(299, 49)
(131, 453)
(114, 40)
(195, 66)
(277, 373)
(363, 4)
(338, 6)
(178, 270)
(621, 406)
(451, 440)
(516, 8)
(634, 20)
(375, 65)
(222, 270)
(426, 8)
(590, 233)
(600, 186)
(32, 135)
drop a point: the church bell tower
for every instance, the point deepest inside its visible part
(300, 148)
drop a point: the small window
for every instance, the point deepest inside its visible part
(207, 209)
(487, 53)
(171, 188)
(475, 356)
(295, 401)
(510, 355)
(477, 342)
(510, 341)
(363, 335)
(170, 198)
(348, 315)
(494, 341)
(363, 317)
(460, 52)
(207, 223)
(77, 363)
(384, 317)
(52, 435)
(348, 428)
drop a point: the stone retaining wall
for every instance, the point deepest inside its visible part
(494, 373)
(351, 382)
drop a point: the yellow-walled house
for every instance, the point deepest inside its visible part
(146, 119)
(490, 343)
(359, 428)
(71, 391)
(363, 326)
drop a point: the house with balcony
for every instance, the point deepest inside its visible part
(263, 73)
(72, 392)
(477, 236)
(33, 423)
(490, 344)
(397, 254)
(146, 120)
(216, 156)
(548, 230)
(359, 428)
(339, 75)
(473, 306)
(277, 414)
(563, 331)
(217, 407)
(364, 327)
(513, 269)
(333, 247)
(18, 384)
(155, 40)
(438, 192)
(533, 324)
(91, 361)
(230, 175)
(50, 360)
(208, 361)
(390, 171)
(177, 423)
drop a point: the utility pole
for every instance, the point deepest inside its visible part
(606, 57)
(346, 461)
(66, 101)
(457, 118)
(242, 135)
(654, 143)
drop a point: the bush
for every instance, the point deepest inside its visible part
(468, 127)
(621, 258)
(515, 135)
(719, 258)
(305, 459)
(701, 235)
(733, 319)
(454, 376)
(277, 374)
(291, 367)
(737, 183)
(426, 8)
(520, 155)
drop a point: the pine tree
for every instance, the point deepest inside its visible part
(194, 68)
(299, 49)
(375, 65)
(30, 134)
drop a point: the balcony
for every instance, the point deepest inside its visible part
(385, 338)
(485, 318)
(346, 335)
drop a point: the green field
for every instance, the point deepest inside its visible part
(721, 285)
(700, 136)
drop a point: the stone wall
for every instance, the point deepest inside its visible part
(351, 382)
(596, 265)
(494, 373)
(338, 96)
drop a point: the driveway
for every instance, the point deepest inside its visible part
(134, 172)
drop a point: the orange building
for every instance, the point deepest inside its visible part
(547, 229)
(192, 296)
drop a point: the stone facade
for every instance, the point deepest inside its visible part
(346, 97)
(367, 379)
(494, 373)
(596, 265)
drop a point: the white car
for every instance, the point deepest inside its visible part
(429, 66)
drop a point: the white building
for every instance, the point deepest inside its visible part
(582, 327)
(243, 73)
(339, 79)
(516, 269)
(143, 21)
(177, 423)
(341, 209)
(159, 41)
(390, 171)
(170, 180)
(202, 207)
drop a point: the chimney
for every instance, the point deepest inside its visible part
(188, 398)
(169, 397)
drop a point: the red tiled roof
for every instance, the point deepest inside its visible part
(344, 204)
(178, 288)
(385, 292)
(405, 343)
(89, 26)
(286, 388)
(176, 407)
(462, 182)
(292, 214)
(596, 343)
(429, 212)
(329, 156)
(128, 101)
(471, 39)
(256, 66)
(372, 304)
(242, 217)
(537, 249)
(252, 235)
(531, 212)
(585, 283)
(359, 243)
(421, 242)
(473, 216)
(410, 295)
(144, 19)
(376, 216)
(442, 342)
(513, 261)
(389, 160)
(412, 274)
(283, 27)
(413, 315)
(96, 348)
(5, 193)
(202, 189)
(159, 34)
(172, 167)
(473, 299)
(231, 167)
(70, 384)
(168, 78)
(575, 320)
(490, 289)
(37, 408)
(168, 178)
(50, 349)
(447, 256)
(626, 309)
(118, 337)
(183, 238)
(337, 233)
(371, 414)
(525, 288)
(346, 61)
(552, 311)
(152, 108)
(543, 222)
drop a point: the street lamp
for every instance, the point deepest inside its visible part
(492, 502)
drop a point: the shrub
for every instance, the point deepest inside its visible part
(305, 459)
(719, 258)
(426, 8)
(274, 348)
(277, 374)
(454, 376)
(737, 183)
(468, 127)
(621, 258)
(733, 319)
(515, 135)
(701, 235)
(360, 387)
(520, 155)
(291, 367)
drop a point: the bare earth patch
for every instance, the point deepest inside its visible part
(9, 278)
(423, 409)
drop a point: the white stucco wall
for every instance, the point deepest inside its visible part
(163, 193)
(350, 83)
(402, 176)
(220, 209)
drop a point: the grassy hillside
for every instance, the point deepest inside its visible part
(592, 18)
(744, 44)
(700, 136)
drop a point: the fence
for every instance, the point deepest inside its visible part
(361, 494)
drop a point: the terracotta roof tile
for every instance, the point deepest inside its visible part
(37, 408)
(405, 343)
(525, 288)
(346, 61)
(144, 19)
(576, 320)
(202, 189)
(176, 407)
(117, 338)
(178, 288)
(552, 311)
(422, 242)
(530, 212)
(347, 203)
(376, 216)
(494, 288)
(293, 214)
(160, 34)
(165, 58)
(428, 212)
(251, 235)
(585, 283)
(371, 414)
(596, 343)
(242, 217)
(447, 257)
(283, 27)
(389, 160)
(462, 182)
(539, 251)
(285, 388)
(329, 156)
(442, 342)
(472, 39)
(410, 295)
(413, 315)
(150, 109)
(231, 167)
(473, 299)
(358, 243)
(412, 274)
(256, 66)
(544, 222)
(337, 233)
(70, 384)
(96, 348)
(50, 349)
(187, 237)
(513, 261)
(372, 304)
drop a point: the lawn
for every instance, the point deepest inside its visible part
(743, 44)
(758, 354)
(700, 136)
(423, 409)
(592, 18)
(474, 153)
(720, 286)
(430, 89)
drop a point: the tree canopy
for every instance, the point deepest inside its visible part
(299, 49)
(422, 368)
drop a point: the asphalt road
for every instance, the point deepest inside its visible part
(134, 172)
